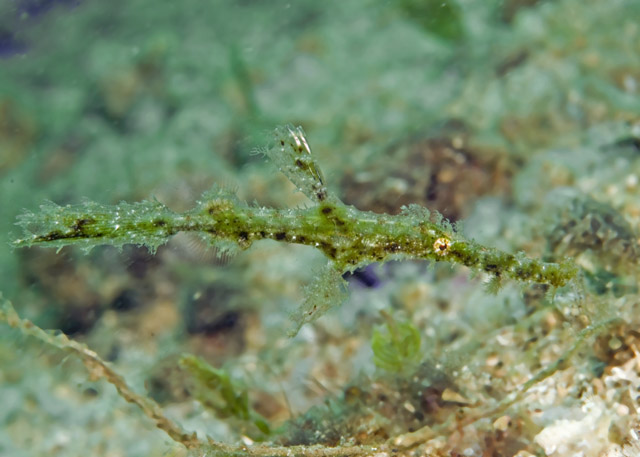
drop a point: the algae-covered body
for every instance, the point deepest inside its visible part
(348, 237)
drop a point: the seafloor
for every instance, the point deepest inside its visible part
(520, 118)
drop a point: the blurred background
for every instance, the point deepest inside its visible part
(519, 117)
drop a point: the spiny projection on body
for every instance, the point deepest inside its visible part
(349, 238)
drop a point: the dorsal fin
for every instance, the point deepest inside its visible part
(292, 154)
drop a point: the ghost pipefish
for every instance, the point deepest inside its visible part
(348, 237)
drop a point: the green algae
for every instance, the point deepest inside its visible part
(527, 88)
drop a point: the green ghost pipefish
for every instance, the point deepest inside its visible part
(349, 238)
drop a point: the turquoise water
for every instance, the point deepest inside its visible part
(518, 118)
